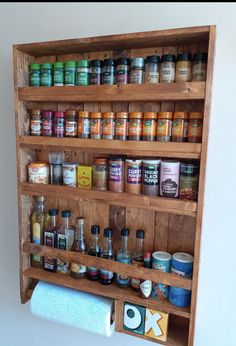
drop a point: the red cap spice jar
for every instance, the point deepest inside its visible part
(36, 122)
(108, 125)
(116, 174)
(195, 126)
(135, 126)
(83, 125)
(180, 127)
(121, 126)
(47, 127)
(59, 124)
(149, 126)
(133, 176)
(71, 123)
(164, 126)
(96, 125)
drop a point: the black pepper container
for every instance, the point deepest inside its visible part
(108, 72)
(137, 71)
(122, 71)
(95, 72)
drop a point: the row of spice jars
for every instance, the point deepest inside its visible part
(148, 126)
(153, 69)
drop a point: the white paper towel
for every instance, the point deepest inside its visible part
(74, 308)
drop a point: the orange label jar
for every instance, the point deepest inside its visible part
(164, 126)
(133, 176)
(195, 126)
(108, 125)
(84, 125)
(96, 125)
(180, 127)
(71, 123)
(135, 126)
(121, 126)
(149, 126)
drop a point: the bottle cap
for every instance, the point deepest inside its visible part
(124, 232)
(140, 234)
(168, 58)
(35, 66)
(95, 229)
(59, 114)
(53, 212)
(147, 255)
(108, 232)
(46, 65)
(83, 63)
(40, 198)
(153, 59)
(123, 61)
(202, 56)
(48, 114)
(66, 213)
(58, 64)
(70, 64)
(95, 63)
(109, 62)
(80, 220)
(184, 57)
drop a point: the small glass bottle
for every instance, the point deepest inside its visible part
(70, 72)
(56, 159)
(35, 122)
(195, 127)
(167, 72)
(50, 239)
(183, 71)
(46, 74)
(137, 258)
(59, 124)
(47, 123)
(136, 70)
(199, 68)
(94, 250)
(135, 126)
(78, 271)
(145, 287)
(180, 127)
(82, 73)
(71, 123)
(83, 124)
(95, 72)
(34, 75)
(122, 71)
(152, 69)
(123, 256)
(108, 72)
(108, 125)
(96, 125)
(164, 126)
(63, 244)
(121, 126)
(149, 132)
(58, 73)
(100, 174)
(68, 229)
(106, 277)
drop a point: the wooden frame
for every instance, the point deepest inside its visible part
(172, 225)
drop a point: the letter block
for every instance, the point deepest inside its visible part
(134, 318)
(156, 324)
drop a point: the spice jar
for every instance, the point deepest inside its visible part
(151, 177)
(121, 126)
(100, 174)
(95, 72)
(199, 68)
(108, 72)
(96, 125)
(59, 124)
(180, 127)
(188, 182)
(82, 73)
(136, 71)
(122, 71)
(152, 69)
(167, 72)
(35, 122)
(108, 125)
(164, 126)
(195, 126)
(169, 179)
(149, 126)
(58, 74)
(133, 176)
(183, 71)
(83, 125)
(70, 69)
(71, 123)
(46, 75)
(38, 172)
(47, 125)
(116, 174)
(135, 126)
(34, 75)
(69, 173)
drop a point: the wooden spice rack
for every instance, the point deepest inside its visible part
(170, 224)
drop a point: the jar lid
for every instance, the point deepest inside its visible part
(95, 229)
(151, 162)
(35, 112)
(108, 232)
(69, 164)
(100, 161)
(200, 57)
(153, 59)
(109, 62)
(122, 115)
(140, 234)
(147, 255)
(53, 212)
(168, 58)
(83, 114)
(124, 232)
(108, 115)
(72, 112)
(46, 65)
(70, 64)
(123, 61)
(48, 114)
(189, 167)
(135, 161)
(136, 115)
(40, 198)
(59, 114)
(116, 158)
(137, 62)
(66, 213)
(38, 164)
(150, 115)
(58, 64)
(161, 255)
(184, 57)
(196, 115)
(83, 63)
(35, 66)
(165, 115)
(183, 257)
(96, 115)
(96, 63)
(180, 115)
(80, 220)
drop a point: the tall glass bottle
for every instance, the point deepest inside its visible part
(78, 271)
(37, 220)
(137, 258)
(123, 256)
(50, 239)
(94, 250)
(106, 277)
(67, 228)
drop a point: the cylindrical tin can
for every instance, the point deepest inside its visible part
(133, 176)
(182, 264)
(161, 261)
(69, 173)
(38, 172)
(150, 177)
(169, 179)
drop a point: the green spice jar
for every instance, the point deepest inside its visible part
(70, 72)
(35, 75)
(82, 73)
(58, 74)
(46, 74)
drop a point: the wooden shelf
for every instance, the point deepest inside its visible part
(140, 148)
(115, 93)
(110, 291)
(167, 205)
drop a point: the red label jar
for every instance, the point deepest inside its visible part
(59, 124)
(47, 127)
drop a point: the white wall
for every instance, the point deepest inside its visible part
(21, 23)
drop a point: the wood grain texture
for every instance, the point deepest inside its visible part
(119, 312)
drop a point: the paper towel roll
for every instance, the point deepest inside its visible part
(74, 308)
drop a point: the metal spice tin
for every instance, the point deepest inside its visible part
(169, 179)
(38, 172)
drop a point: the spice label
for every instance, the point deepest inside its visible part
(84, 126)
(179, 128)
(108, 127)
(151, 175)
(78, 268)
(199, 72)
(95, 76)
(167, 72)
(62, 244)
(36, 127)
(135, 129)
(70, 76)
(71, 128)
(49, 240)
(84, 175)
(35, 78)
(188, 187)
(149, 128)
(146, 288)
(69, 175)
(122, 74)
(136, 77)
(47, 128)
(164, 127)
(108, 78)
(83, 76)
(183, 73)
(115, 172)
(151, 77)
(106, 275)
(58, 77)
(134, 175)
(95, 127)
(46, 78)
(121, 128)
(92, 271)
(169, 188)
(195, 130)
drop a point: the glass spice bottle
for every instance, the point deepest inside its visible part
(34, 75)
(195, 126)
(106, 277)
(96, 125)
(78, 271)
(108, 72)
(164, 126)
(199, 68)
(152, 69)
(46, 74)
(180, 127)
(183, 71)
(137, 258)
(100, 174)
(149, 132)
(136, 71)
(50, 239)
(71, 123)
(70, 73)
(116, 174)
(35, 122)
(122, 71)
(95, 72)
(58, 73)
(82, 73)
(145, 287)
(59, 124)
(83, 124)
(108, 125)
(47, 123)
(135, 126)
(121, 126)
(123, 256)
(167, 71)
(94, 249)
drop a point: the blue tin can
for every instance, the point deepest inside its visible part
(161, 261)
(182, 264)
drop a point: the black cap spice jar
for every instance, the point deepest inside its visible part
(136, 70)
(199, 68)
(183, 67)
(152, 69)
(167, 74)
